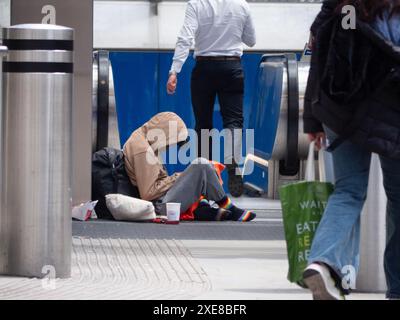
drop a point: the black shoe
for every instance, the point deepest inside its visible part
(235, 181)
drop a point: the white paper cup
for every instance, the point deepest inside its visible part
(173, 212)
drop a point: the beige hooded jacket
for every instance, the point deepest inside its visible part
(142, 151)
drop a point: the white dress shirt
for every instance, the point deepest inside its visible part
(217, 27)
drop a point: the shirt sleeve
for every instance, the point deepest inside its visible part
(185, 38)
(249, 33)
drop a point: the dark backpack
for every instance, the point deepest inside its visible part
(109, 177)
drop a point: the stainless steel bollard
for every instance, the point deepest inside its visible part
(3, 52)
(35, 218)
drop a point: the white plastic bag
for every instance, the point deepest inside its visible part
(130, 209)
(310, 165)
(325, 165)
(85, 211)
(325, 162)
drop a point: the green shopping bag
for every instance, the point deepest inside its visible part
(303, 205)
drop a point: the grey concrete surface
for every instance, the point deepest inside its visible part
(111, 269)
(203, 261)
(261, 230)
(250, 270)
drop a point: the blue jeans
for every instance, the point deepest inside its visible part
(337, 239)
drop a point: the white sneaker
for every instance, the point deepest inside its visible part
(319, 280)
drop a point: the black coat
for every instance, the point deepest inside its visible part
(354, 86)
(311, 124)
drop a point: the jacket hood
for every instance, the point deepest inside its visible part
(163, 130)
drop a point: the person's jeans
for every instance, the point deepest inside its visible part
(199, 179)
(337, 239)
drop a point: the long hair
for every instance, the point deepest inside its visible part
(369, 10)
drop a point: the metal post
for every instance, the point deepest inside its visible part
(35, 228)
(76, 14)
(3, 52)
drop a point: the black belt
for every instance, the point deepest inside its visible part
(218, 58)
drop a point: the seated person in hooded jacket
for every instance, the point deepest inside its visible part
(146, 171)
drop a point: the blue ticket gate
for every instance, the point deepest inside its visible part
(129, 88)
(280, 146)
(273, 109)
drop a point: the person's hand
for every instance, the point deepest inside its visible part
(318, 137)
(171, 84)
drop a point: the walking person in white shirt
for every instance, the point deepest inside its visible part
(218, 28)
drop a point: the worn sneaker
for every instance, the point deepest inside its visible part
(318, 279)
(235, 181)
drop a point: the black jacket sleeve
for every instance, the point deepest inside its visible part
(311, 124)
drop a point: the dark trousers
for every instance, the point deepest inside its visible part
(222, 79)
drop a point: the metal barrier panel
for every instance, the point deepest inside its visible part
(276, 117)
(104, 95)
(35, 213)
(264, 118)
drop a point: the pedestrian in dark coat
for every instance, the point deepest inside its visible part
(353, 98)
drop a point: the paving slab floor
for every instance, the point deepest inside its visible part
(192, 260)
